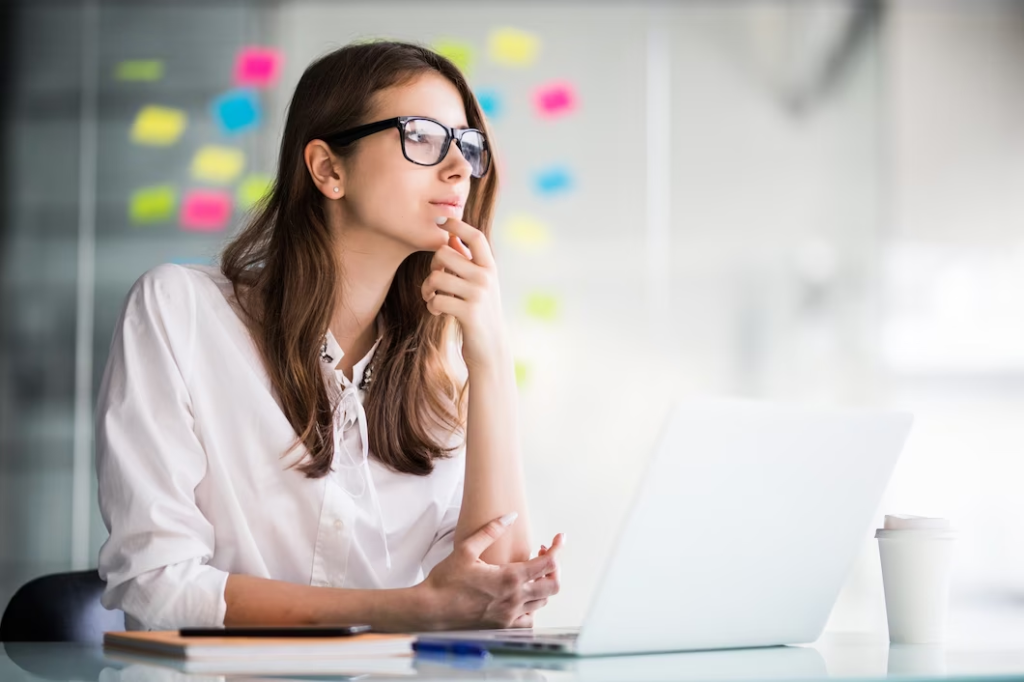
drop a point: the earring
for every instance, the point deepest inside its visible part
(335, 190)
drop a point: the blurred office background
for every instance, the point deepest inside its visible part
(807, 201)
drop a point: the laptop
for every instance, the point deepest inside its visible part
(746, 524)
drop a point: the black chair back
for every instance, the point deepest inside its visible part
(63, 607)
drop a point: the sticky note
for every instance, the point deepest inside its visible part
(252, 189)
(490, 102)
(527, 232)
(158, 126)
(237, 111)
(522, 371)
(205, 210)
(553, 180)
(139, 70)
(217, 164)
(257, 67)
(458, 52)
(541, 306)
(152, 204)
(513, 47)
(554, 99)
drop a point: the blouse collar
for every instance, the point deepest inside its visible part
(333, 354)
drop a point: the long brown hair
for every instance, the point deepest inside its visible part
(284, 269)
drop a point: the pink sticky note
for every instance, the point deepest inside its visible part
(205, 210)
(257, 67)
(555, 99)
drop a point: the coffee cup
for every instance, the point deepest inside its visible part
(917, 557)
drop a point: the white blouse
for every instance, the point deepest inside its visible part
(192, 481)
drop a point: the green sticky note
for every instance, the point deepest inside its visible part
(457, 52)
(253, 188)
(139, 70)
(541, 306)
(522, 372)
(152, 204)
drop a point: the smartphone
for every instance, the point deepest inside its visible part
(276, 631)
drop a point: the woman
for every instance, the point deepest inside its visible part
(288, 439)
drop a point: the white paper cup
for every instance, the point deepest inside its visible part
(917, 557)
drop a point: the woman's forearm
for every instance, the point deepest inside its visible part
(494, 475)
(260, 601)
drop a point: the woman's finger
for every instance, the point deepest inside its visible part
(523, 621)
(446, 283)
(457, 244)
(472, 238)
(447, 258)
(541, 589)
(531, 607)
(447, 305)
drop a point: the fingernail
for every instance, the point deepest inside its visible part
(509, 518)
(440, 220)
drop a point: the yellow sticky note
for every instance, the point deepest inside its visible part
(214, 163)
(513, 47)
(152, 204)
(458, 52)
(139, 70)
(158, 126)
(527, 232)
(252, 189)
(542, 306)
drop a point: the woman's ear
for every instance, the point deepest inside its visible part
(325, 168)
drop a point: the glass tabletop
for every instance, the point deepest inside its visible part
(846, 656)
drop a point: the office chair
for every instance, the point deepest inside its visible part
(63, 607)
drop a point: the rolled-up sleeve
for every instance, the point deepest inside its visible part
(149, 462)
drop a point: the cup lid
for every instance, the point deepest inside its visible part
(911, 522)
(909, 525)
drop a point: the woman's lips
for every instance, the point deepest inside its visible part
(452, 210)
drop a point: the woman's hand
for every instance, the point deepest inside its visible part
(555, 545)
(464, 283)
(463, 592)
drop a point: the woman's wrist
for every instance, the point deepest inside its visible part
(407, 609)
(499, 364)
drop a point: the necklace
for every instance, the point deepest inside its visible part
(328, 359)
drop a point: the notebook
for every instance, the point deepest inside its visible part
(170, 644)
(338, 668)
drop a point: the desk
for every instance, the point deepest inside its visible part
(847, 656)
(983, 643)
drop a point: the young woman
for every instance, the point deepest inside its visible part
(324, 428)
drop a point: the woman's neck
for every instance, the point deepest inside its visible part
(367, 265)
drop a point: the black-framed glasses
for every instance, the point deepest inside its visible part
(425, 141)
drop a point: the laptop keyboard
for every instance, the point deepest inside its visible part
(560, 634)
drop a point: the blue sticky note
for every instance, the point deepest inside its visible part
(237, 110)
(490, 102)
(553, 180)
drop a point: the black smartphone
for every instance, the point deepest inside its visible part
(276, 631)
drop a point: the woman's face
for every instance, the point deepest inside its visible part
(389, 195)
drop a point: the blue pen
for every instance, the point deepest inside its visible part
(450, 648)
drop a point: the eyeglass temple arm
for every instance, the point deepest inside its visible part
(353, 134)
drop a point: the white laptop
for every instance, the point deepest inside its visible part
(746, 524)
